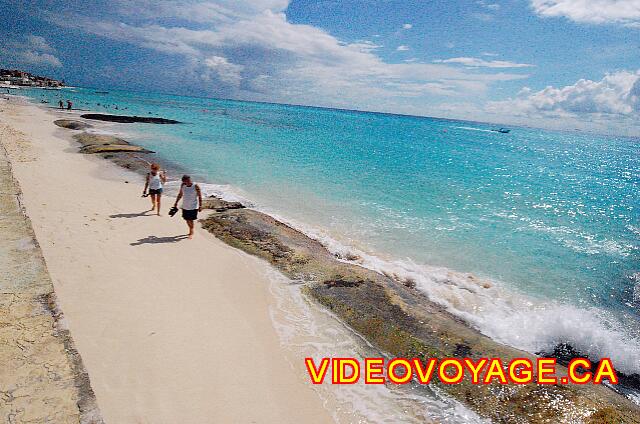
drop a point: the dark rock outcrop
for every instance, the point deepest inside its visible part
(113, 148)
(564, 353)
(98, 143)
(128, 119)
(87, 139)
(71, 124)
(220, 205)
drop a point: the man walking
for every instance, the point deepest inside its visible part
(191, 201)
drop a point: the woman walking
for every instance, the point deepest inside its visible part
(155, 182)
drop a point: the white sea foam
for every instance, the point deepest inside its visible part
(474, 129)
(635, 279)
(635, 398)
(506, 316)
(634, 229)
(103, 131)
(225, 192)
(578, 241)
(307, 330)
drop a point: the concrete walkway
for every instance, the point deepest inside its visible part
(42, 379)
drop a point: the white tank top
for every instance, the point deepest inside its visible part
(155, 183)
(189, 197)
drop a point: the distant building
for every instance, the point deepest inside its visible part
(25, 79)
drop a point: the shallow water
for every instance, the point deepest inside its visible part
(547, 223)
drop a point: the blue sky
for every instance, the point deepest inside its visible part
(558, 63)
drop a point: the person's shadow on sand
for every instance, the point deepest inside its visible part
(156, 240)
(130, 215)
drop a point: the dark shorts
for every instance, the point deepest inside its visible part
(155, 191)
(190, 214)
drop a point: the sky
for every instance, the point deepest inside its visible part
(567, 64)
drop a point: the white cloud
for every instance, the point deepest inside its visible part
(402, 48)
(38, 43)
(365, 46)
(489, 9)
(485, 17)
(257, 54)
(591, 11)
(617, 94)
(32, 50)
(407, 26)
(249, 50)
(473, 62)
(227, 72)
(488, 5)
(30, 57)
(608, 106)
(210, 12)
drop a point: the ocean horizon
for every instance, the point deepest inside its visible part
(497, 125)
(535, 229)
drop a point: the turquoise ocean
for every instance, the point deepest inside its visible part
(532, 237)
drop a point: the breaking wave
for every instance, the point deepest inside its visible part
(507, 316)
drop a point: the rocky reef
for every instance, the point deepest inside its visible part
(98, 143)
(219, 205)
(402, 322)
(71, 124)
(128, 119)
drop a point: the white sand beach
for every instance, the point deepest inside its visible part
(170, 330)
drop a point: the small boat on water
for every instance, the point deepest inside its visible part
(502, 130)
